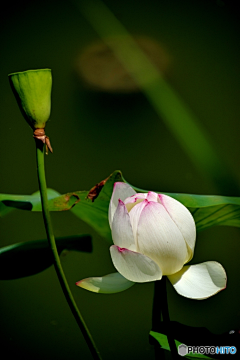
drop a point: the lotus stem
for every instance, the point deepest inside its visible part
(156, 318)
(166, 319)
(160, 308)
(56, 260)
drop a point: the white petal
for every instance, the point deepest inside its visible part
(120, 191)
(134, 266)
(159, 238)
(135, 215)
(183, 219)
(122, 232)
(135, 197)
(152, 196)
(108, 284)
(199, 281)
(133, 200)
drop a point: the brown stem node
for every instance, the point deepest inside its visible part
(39, 134)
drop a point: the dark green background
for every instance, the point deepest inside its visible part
(94, 134)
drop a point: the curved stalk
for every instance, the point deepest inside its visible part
(58, 267)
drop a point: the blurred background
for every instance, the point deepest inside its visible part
(102, 121)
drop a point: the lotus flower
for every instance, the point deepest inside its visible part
(154, 235)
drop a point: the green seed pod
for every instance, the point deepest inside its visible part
(32, 89)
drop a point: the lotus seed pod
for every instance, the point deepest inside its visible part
(32, 89)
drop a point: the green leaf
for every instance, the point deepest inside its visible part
(162, 339)
(92, 206)
(216, 210)
(31, 257)
(24, 202)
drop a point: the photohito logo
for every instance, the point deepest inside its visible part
(182, 350)
(210, 350)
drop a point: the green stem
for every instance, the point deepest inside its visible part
(156, 318)
(58, 267)
(166, 318)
